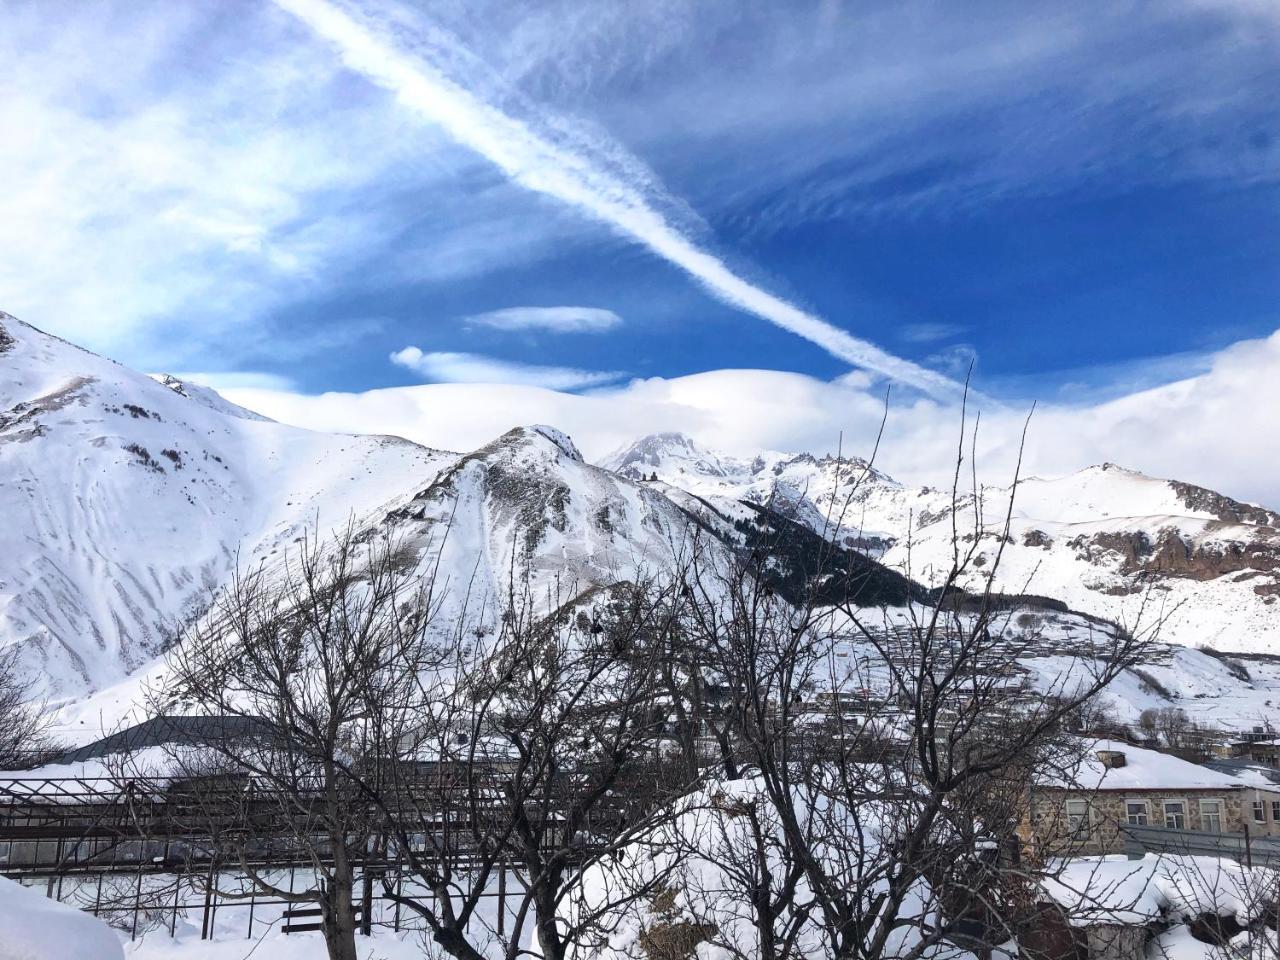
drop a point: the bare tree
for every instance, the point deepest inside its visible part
(893, 746)
(303, 665)
(543, 757)
(1174, 727)
(24, 719)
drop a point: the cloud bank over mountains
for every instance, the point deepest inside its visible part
(447, 367)
(1216, 429)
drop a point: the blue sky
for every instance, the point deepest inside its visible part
(1082, 200)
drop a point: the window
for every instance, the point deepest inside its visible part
(1211, 816)
(1259, 812)
(1175, 815)
(1135, 812)
(1275, 810)
(1078, 819)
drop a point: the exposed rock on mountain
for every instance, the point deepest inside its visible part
(1107, 541)
(125, 501)
(128, 499)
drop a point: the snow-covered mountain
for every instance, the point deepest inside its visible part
(844, 499)
(1107, 541)
(528, 502)
(125, 500)
(1129, 547)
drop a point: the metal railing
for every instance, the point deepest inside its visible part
(1243, 847)
(142, 853)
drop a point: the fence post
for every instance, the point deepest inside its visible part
(213, 912)
(289, 905)
(253, 896)
(208, 895)
(137, 901)
(177, 894)
(366, 888)
(61, 866)
(502, 898)
(399, 893)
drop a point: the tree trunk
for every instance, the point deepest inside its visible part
(544, 906)
(454, 944)
(339, 918)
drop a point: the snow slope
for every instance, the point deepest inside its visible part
(125, 501)
(1144, 552)
(128, 500)
(1107, 541)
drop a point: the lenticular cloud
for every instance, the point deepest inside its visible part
(421, 71)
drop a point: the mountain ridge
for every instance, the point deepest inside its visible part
(133, 498)
(1107, 540)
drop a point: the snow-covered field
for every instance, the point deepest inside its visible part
(33, 927)
(271, 946)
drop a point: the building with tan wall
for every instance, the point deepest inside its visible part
(1084, 808)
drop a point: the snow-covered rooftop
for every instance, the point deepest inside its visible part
(1143, 769)
(1113, 889)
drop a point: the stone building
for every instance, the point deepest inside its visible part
(1085, 809)
(1258, 750)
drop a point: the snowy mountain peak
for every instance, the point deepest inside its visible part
(558, 437)
(666, 455)
(827, 494)
(126, 502)
(206, 396)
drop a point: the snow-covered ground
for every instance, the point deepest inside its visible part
(384, 945)
(33, 927)
(237, 928)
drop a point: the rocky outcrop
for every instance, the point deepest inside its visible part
(1037, 538)
(1224, 508)
(1173, 554)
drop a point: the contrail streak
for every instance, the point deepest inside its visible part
(537, 163)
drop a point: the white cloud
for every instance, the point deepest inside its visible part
(855, 111)
(142, 200)
(475, 368)
(599, 179)
(956, 360)
(928, 332)
(173, 175)
(180, 173)
(1216, 429)
(552, 319)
